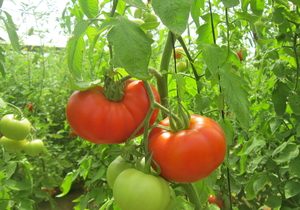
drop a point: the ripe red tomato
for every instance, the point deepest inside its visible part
(179, 52)
(191, 154)
(212, 199)
(240, 55)
(29, 106)
(95, 118)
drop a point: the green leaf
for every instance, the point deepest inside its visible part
(80, 28)
(89, 7)
(12, 31)
(257, 6)
(235, 94)
(294, 168)
(131, 48)
(210, 53)
(10, 169)
(256, 145)
(291, 189)
(174, 14)
(75, 51)
(229, 131)
(1, 2)
(290, 152)
(279, 97)
(83, 85)
(296, 2)
(2, 103)
(67, 183)
(2, 69)
(195, 11)
(274, 201)
(260, 183)
(245, 4)
(230, 3)
(137, 3)
(294, 102)
(205, 34)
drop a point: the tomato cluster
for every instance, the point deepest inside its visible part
(182, 156)
(15, 132)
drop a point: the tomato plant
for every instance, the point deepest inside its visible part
(95, 118)
(13, 128)
(191, 154)
(135, 190)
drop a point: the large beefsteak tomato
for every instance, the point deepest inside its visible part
(188, 155)
(95, 118)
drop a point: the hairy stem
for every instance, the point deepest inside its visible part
(192, 195)
(162, 83)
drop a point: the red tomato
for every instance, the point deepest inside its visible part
(95, 118)
(179, 52)
(191, 154)
(212, 199)
(240, 55)
(29, 106)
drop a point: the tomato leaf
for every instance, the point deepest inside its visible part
(230, 3)
(2, 69)
(279, 97)
(257, 6)
(67, 183)
(291, 189)
(75, 50)
(294, 102)
(245, 4)
(195, 11)
(137, 3)
(2, 103)
(89, 7)
(294, 168)
(238, 102)
(290, 152)
(12, 31)
(174, 14)
(210, 52)
(131, 48)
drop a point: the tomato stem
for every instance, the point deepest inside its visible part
(192, 195)
(162, 83)
(16, 108)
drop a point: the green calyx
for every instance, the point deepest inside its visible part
(180, 121)
(114, 89)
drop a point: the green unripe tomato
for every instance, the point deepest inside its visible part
(34, 147)
(13, 128)
(11, 145)
(181, 66)
(115, 168)
(135, 190)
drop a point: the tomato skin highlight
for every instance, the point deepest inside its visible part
(95, 118)
(188, 155)
(135, 190)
